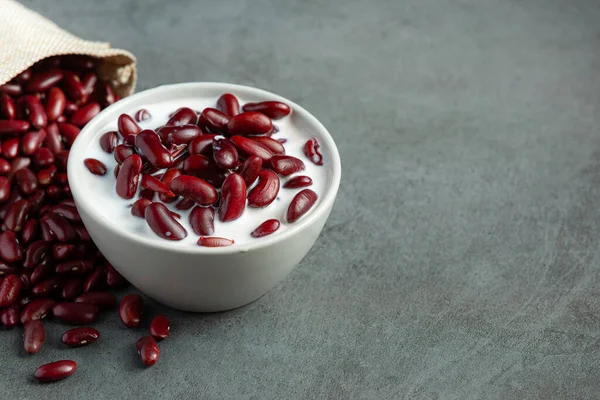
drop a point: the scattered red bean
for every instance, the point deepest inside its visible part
(159, 327)
(33, 336)
(252, 148)
(55, 371)
(213, 120)
(127, 180)
(233, 198)
(127, 126)
(36, 309)
(148, 350)
(10, 316)
(130, 310)
(75, 313)
(196, 189)
(10, 287)
(183, 116)
(286, 165)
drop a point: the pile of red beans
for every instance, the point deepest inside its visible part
(48, 264)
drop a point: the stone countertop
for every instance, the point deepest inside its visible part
(461, 258)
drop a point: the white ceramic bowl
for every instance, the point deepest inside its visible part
(197, 278)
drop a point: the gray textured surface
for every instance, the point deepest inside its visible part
(461, 259)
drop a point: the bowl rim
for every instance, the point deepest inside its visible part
(77, 153)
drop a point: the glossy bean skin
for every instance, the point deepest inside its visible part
(130, 310)
(161, 221)
(55, 371)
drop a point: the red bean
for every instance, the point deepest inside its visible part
(85, 114)
(69, 132)
(10, 316)
(273, 145)
(149, 145)
(10, 251)
(142, 115)
(77, 267)
(42, 81)
(183, 116)
(225, 154)
(151, 183)
(105, 94)
(36, 309)
(147, 194)
(201, 144)
(72, 288)
(233, 198)
(228, 104)
(42, 271)
(213, 241)
(34, 110)
(198, 165)
(55, 371)
(179, 134)
(123, 151)
(78, 62)
(75, 313)
(109, 141)
(95, 280)
(35, 252)
(129, 173)
(4, 189)
(26, 180)
(43, 157)
(213, 120)
(29, 232)
(250, 169)
(298, 182)
(82, 233)
(252, 148)
(266, 228)
(139, 207)
(313, 152)
(103, 300)
(130, 310)
(33, 336)
(78, 337)
(10, 147)
(10, 287)
(55, 104)
(167, 178)
(67, 211)
(89, 82)
(96, 167)
(202, 220)
(11, 88)
(249, 123)
(113, 278)
(184, 204)
(286, 165)
(4, 167)
(13, 127)
(148, 350)
(159, 327)
(6, 269)
(70, 109)
(196, 189)
(8, 109)
(265, 192)
(301, 203)
(53, 139)
(47, 287)
(272, 109)
(61, 228)
(127, 126)
(161, 221)
(73, 87)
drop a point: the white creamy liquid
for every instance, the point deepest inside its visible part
(118, 210)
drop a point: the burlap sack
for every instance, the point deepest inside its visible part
(26, 37)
